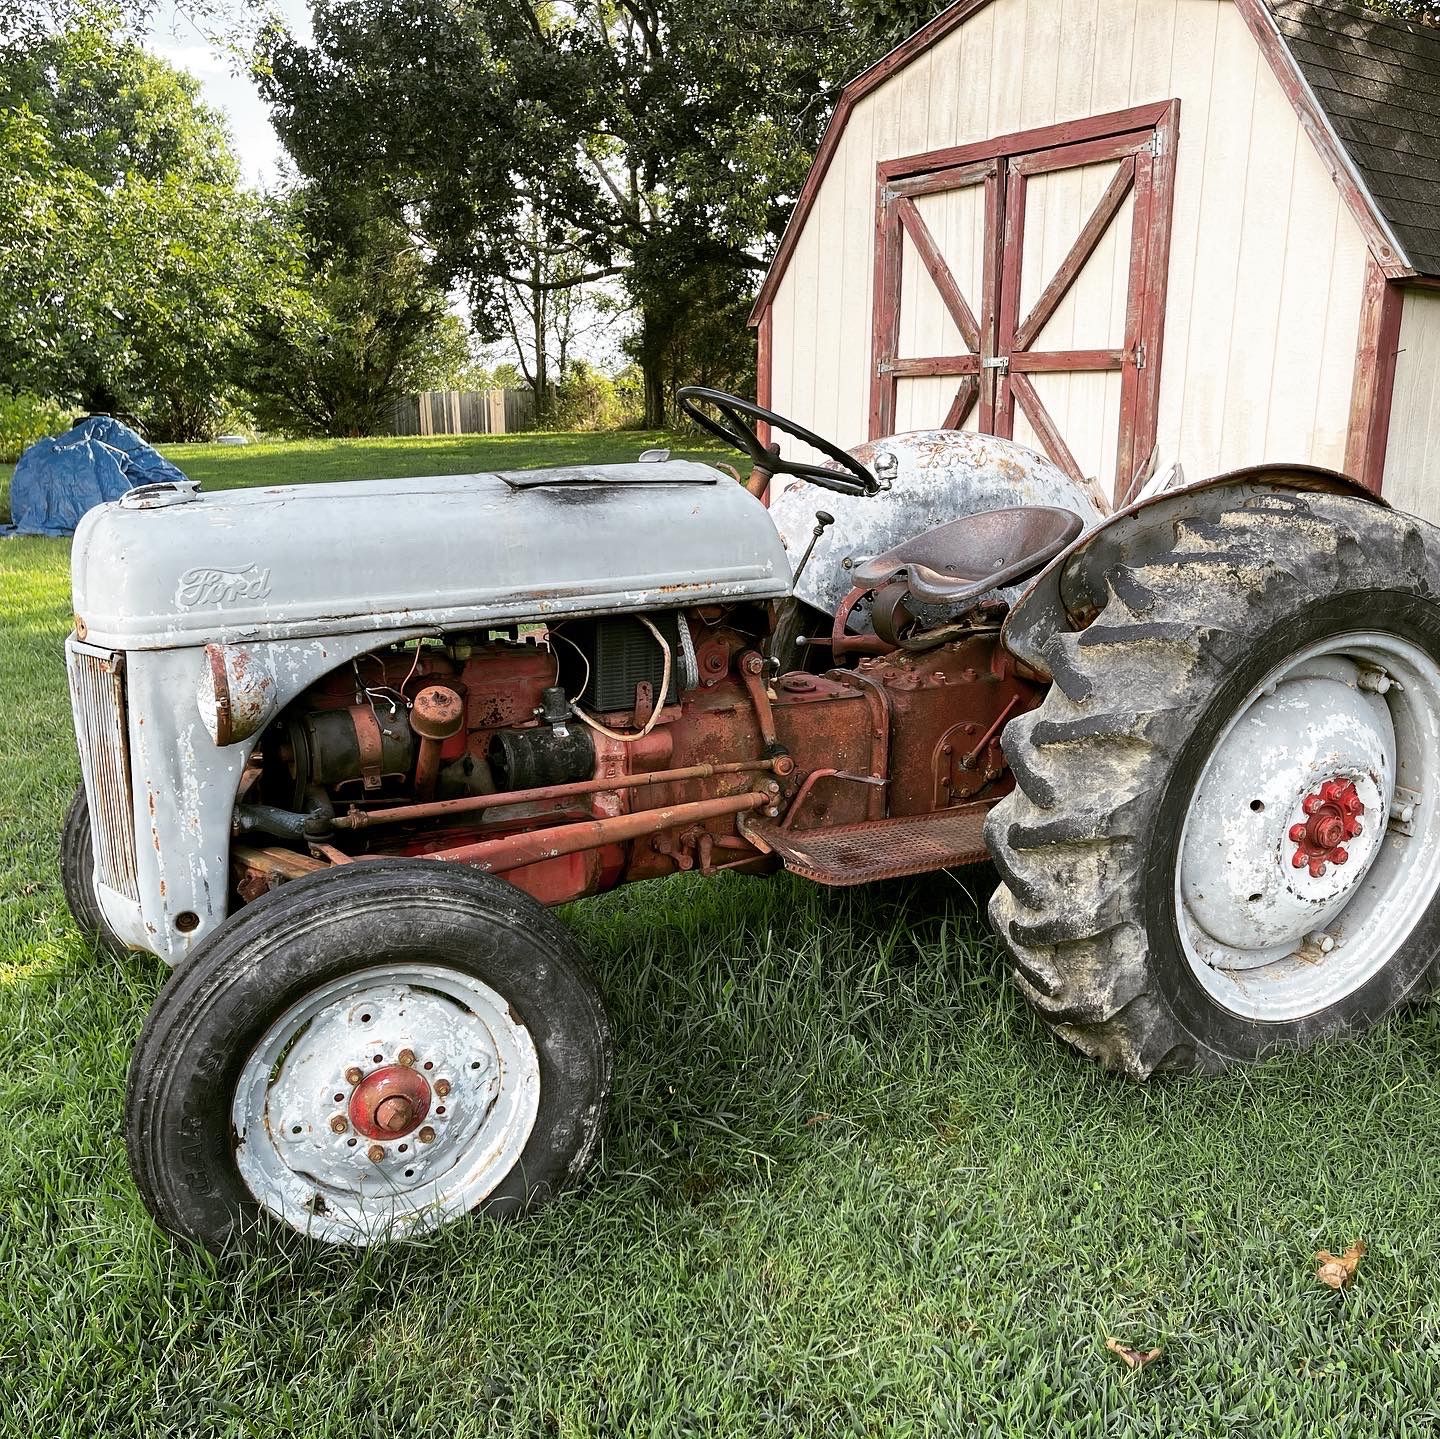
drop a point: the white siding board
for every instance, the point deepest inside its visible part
(1265, 251)
(1007, 76)
(1040, 68)
(1111, 83)
(1192, 63)
(1412, 459)
(852, 290)
(1266, 263)
(1225, 162)
(1079, 23)
(974, 61)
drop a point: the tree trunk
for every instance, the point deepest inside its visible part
(540, 322)
(651, 355)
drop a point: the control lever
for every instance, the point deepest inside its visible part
(823, 520)
(783, 634)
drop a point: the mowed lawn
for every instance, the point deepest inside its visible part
(850, 1186)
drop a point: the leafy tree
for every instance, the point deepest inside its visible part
(352, 322)
(662, 138)
(129, 260)
(1427, 12)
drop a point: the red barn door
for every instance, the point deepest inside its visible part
(1020, 291)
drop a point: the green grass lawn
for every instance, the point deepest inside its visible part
(850, 1187)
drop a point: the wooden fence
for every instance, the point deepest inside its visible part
(463, 412)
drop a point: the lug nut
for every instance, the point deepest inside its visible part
(376, 1153)
(427, 1135)
(406, 1057)
(354, 1074)
(442, 1087)
(338, 1124)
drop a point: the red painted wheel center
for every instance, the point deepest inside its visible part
(388, 1103)
(1333, 816)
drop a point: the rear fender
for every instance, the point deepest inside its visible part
(1068, 594)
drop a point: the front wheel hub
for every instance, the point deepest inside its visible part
(388, 1103)
(385, 1101)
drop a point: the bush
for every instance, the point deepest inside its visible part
(588, 399)
(25, 418)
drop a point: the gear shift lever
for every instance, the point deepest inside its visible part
(823, 520)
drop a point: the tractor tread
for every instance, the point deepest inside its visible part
(1072, 843)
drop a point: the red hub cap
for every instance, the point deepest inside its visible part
(388, 1103)
(1333, 812)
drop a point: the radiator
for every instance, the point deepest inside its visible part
(97, 695)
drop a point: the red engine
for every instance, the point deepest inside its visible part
(627, 747)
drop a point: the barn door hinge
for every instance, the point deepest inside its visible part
(1139, 354)
(1155, 145)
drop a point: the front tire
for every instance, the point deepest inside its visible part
(366, 1054)
(1225, 836)
(77, 872)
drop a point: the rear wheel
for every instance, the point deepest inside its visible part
(1225, 837)
(366, 1054)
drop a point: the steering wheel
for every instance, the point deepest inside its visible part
(733, 429)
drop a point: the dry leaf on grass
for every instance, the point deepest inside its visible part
(1134, 1358)
(1337, 1270)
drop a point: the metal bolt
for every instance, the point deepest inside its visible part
(338, 1124)
(427, 1135)
(1322, 941)
(354, 1074)
(376, 1153)
(406, 1057)
(394, 1113)
(442, 1087)
(1375, 681)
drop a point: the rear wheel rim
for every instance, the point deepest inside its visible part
(384, 1103)
(1311, 842)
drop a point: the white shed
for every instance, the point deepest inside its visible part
(1126, 232)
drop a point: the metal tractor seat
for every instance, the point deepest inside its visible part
(955, 564)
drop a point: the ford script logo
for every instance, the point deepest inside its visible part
(204, 586)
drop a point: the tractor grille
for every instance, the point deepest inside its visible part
(97, 693)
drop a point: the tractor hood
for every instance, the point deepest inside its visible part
(167, 567)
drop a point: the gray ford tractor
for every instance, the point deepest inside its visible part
(345, 746)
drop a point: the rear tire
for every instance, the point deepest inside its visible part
(365, 1054)
(1241, 662)
(77, 873)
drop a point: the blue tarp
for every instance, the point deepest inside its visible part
(57, 480)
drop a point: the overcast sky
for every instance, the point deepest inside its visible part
(256, 146)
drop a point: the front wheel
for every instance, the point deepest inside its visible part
(366, 1054)
(1225, 836)
(77, 872)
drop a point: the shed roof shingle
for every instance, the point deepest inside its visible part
(1378, 81)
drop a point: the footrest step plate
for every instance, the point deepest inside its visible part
(875, 849)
